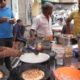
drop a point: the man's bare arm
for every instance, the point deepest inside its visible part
(68, 20)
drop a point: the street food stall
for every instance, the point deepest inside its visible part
(42, 57)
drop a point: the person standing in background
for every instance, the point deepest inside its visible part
(6, 31)
(18, 32)
(76, 17)
(42, 24)
(76, 28)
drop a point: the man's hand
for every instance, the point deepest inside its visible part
(9, 52)
(4, 19)
(33, 35)
(12, 21)
(32, 38)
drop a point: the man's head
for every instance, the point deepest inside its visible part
(3, 3)
(47, 8)
(19, 22)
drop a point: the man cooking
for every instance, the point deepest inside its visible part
(42, 23)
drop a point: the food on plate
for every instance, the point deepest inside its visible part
(33, 74)
(1, 74)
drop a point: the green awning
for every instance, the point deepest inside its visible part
(43, 1)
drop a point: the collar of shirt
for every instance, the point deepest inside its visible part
(44, 17)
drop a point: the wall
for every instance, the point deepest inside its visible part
(36, 8)
(28, 12)
(22, 11)
(15, 8)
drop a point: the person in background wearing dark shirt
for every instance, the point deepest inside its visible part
(18, 32)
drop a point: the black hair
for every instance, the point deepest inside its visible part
(46, 6)
(19, 20)
(2, 1)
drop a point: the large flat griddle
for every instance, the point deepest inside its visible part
(33, 58)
